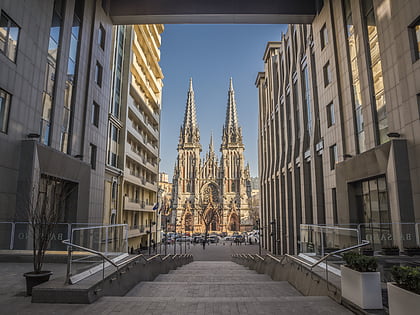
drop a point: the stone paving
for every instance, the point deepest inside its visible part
(202, 287)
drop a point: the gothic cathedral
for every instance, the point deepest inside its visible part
(209, 192)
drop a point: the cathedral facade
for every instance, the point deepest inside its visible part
(210, 192)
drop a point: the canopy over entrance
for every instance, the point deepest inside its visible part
(212, 11)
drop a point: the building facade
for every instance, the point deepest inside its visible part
(53, 61)
(131, 180)
(339, 127)
(211, 193)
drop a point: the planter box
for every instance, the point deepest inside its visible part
(402, 301)
(361, 288)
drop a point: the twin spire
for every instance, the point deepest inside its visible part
(189, 130)
(231, 131)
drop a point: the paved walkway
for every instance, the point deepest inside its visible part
(202, 287)
(217, 287)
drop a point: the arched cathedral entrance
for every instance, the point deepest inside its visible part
(233, 222)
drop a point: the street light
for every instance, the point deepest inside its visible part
(175, 238)
(166, 233)
(273, 234)
(259, 236)
(150, 234)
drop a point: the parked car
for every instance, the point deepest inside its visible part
(213, 239)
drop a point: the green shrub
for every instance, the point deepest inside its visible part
(360, 262)
(407, 278)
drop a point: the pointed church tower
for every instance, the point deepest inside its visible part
(232, 133)
(189, 133)
(186, 175)
(233, 177)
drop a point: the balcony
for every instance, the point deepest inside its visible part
(131, 205)
(144, 120)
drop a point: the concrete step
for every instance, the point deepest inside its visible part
(313, 305)
(212, 271)
(214, 289)
(212, 278)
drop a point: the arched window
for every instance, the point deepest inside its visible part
(233, 186)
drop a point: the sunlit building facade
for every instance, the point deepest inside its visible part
(339, 127)
(131, 183)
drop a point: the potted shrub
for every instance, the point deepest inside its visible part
(404, 294)
(391, 250)
(360, 282)
(43, 208)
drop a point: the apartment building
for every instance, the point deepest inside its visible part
(131, 180)
(54, 94)
(339, 127)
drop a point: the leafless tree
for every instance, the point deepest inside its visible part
(44, 210)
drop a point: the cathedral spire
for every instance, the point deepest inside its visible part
(211, 146)
(189, 130)
(231, 131)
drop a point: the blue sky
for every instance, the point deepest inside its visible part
(211, 54)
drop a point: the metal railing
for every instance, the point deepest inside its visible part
(303, 262)
(72, 279)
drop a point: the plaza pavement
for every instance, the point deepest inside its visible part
(210, 285)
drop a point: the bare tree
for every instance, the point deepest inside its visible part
(44, 211)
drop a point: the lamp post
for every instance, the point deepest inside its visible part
(273, 234)
(259, 236)
(150, 234)
(175, 238)
(166, 233)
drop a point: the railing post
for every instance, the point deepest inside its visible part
(106, 240)
(12, 235)
(322, 241)
(69, 259)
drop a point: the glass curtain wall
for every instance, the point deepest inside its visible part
(376, 75)
(352, 53)
(71, 79)
(50, 73)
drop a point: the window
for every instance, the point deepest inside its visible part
(95, 114)
(93, 152)
(54, 45)
(9, 36)
(375, 72)
(418, 102)
(101, 37)
(334, 205)
(327, 74)
(330, 114)
(415, 39)
(324, 36)
(333, 156)
(4, 110)
(98, 74)
(307, 99)
(113, 145)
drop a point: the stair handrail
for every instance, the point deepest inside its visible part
(311, 266)
(100, 254)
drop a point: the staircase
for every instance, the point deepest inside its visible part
(217, 287)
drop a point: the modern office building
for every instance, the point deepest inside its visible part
(339, 127)
(54, 94)
(210, 192)
(131, 181)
